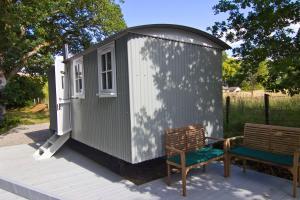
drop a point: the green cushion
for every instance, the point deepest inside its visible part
(201, 155)
(263, 155)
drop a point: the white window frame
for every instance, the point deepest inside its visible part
(76, 94)
(101, 51)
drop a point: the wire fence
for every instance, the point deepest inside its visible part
(264, 109)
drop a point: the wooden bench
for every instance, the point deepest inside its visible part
(274, 145)
(186, 148)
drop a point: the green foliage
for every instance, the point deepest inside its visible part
(46, 93)
(22, 116)
(21, 91)
(230, 69)
(247, 86)
(257, 80)
(264, 30)
(284, 111)
(31, 31)
(233, 74)
(8, 123)
(27, 117)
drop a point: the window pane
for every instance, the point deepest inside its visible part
(77, 70)
(109, 80)
(103, 63)
(77, 86)
(108, 61)
(80, 84)
(104, 81)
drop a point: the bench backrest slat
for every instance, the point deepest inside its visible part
(275, 139)
(187, 138)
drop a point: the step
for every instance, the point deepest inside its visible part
(24, 190)
(51, 146)
(43, 149)
(53, 139)
(9, 196)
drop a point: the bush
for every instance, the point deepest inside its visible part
(21, 90)
(246, 86)
(8, 122)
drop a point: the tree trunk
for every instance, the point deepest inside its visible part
(2, 108)
(24, 60)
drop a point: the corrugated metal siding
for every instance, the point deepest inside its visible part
(52, 98)
(104, 123)
(172, 84)
(177, 35)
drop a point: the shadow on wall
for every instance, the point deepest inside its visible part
(183, 87)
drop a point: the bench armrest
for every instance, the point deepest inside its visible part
(235, 138)
(297, 150)
(180, 152)
(215, 138)
(296, 156)
(227, 143)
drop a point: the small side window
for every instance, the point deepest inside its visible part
(107, 71)
(78, 78)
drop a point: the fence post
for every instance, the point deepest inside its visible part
(267, 110)
(227, 110)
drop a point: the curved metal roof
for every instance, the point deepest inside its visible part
(184, 28)
(217, 41)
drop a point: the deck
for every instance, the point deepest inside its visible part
(70, 175)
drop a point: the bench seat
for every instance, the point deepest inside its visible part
(199, 156)
(280, 159)
(187, 148)
(273, 145)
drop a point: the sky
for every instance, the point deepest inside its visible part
(194, 13)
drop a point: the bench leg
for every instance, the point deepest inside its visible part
(204, 168)
(244, 165)
(228, 165)
(295, 182)
(294, 172)
(298, 176)
(168, 180)
(183, 176)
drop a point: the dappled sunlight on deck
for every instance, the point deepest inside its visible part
(71, 175)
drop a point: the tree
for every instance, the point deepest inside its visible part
(21, 91)
(265, 30)
(257, 80)
(230, 69)
(31, 31)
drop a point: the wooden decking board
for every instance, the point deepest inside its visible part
(72, 176)
(9, 196)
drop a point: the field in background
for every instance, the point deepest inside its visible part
(23, 116)
(284, 110)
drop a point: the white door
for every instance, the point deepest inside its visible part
(62, 83)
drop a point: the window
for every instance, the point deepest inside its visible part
(78, 78)
(107, 71)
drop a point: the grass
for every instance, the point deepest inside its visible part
(23, 116)
(284, 111)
